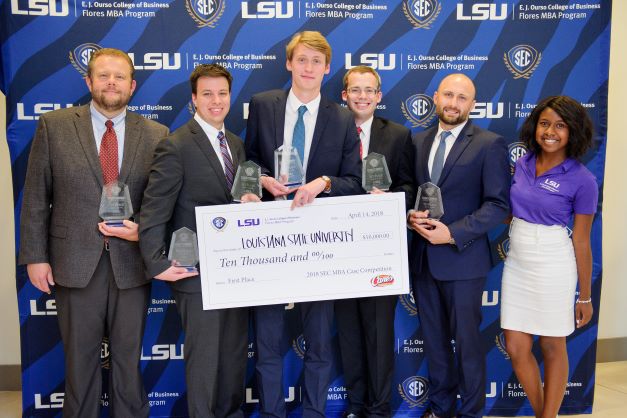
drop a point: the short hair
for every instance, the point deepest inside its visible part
(110, 52)
(311, 39)
(580, 129)
(362, 69)
(209, 70)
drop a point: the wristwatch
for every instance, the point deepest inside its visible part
(327, 180)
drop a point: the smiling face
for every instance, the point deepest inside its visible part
(454, 100)
(362, 95)
(308, 67)
(212, 100)
(111, 84)
(552, 133)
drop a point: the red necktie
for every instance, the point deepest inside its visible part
(109, 154)
(361, 145)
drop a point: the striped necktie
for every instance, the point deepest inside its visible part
(229, 172)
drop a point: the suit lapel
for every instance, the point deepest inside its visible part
(85, 134)
(321, 123)
(460, 145)
(132, 138)
(377, 137)
(203, 143)
(231, 139)
(279, 119)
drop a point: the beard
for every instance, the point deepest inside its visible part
(111, 104)
(451, 120)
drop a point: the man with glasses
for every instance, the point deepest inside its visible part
(366, 325)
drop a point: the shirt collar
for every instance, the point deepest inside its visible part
(529, 163)
(210, 131)
(294, 103)
(99, 117)
(366, 127)
(454, 132)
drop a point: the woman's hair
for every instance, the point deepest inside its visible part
(573, 114)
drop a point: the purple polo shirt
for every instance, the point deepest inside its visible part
(555, 196)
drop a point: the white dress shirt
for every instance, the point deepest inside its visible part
(119, 126)
(449, 141)
(364, 136)
(309, 118)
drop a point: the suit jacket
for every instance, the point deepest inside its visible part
(186, 173)
(475, 183)
(62, 197)
(394, 142)
(334, 149)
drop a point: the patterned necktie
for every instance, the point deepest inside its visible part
(438, 160)
(109, 154)
(229, 172)
(298, 139)
(361, 144)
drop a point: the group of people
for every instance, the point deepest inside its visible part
(101, 274)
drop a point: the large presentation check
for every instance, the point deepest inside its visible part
(340, 247)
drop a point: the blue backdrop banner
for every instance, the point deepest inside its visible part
(517, 52)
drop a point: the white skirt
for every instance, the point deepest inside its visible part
(539, 280)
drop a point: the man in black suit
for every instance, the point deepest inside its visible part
(194, 166)
(450, 257)
(327, 142)
(366, 325)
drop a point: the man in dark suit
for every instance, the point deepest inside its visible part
(97, 270)
(450, 257)
(195, 166)
(325, 136)
(366, 325)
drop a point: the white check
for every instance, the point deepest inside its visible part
(336, 248)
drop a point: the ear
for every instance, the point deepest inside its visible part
(327, 70)
(344, 95)
(133, 86)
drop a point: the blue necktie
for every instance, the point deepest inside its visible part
(298, 139)
(438, 160)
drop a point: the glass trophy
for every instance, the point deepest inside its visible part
(288, 168)
(375, 173)
(184, 249)
(430, 198)
(115, 203)
(247, 180)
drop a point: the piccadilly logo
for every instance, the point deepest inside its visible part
(205, 13)
(522, 60)
(421, 13)
(419, 109)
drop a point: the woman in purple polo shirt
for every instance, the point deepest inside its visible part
(544, 263)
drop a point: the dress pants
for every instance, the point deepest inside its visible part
(317, 320)
(366, 336)
(452, 310)
(216, 353)
(85, 316)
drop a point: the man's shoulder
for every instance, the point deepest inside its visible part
(65, 114)
(269, 95)
(394, 128)
(419, 137)
(482, 134)
(147, 124)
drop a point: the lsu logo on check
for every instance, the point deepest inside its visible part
(382, 280)
(419, 109)
(205, 13)
(522, 60)
(421, 13)
(79, 56)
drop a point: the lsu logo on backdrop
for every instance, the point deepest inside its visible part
(502, 248)
(205, 12)
(40, 7)
(421, 13)
(409, 303)
(38, 110)
(299, 345)
(291, 395)
(482, 11)
(414, 390)
(382, 280)
(419, 109)
(157, 61)
(163, 352)
(486, 110)
(500, 343)
(268, 10)
(376, 61)
(52, 401)
(522, 60)
(79, 56)
(49, 309)
(219, 223)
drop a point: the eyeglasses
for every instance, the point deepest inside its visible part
(356, 91)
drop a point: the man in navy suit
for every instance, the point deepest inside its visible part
(330, 151)
(450, 257)
(366, 325)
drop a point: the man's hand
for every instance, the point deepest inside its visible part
(273, 186)
(174, 273)
(416, 218)
(376, 191)
(249, 197)
(40, 275)
(433, 231)
(308, 192)
(129, 231)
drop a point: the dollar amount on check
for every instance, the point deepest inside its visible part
(336, 248)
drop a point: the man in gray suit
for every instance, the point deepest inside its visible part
(96, 270)
(193, 167)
